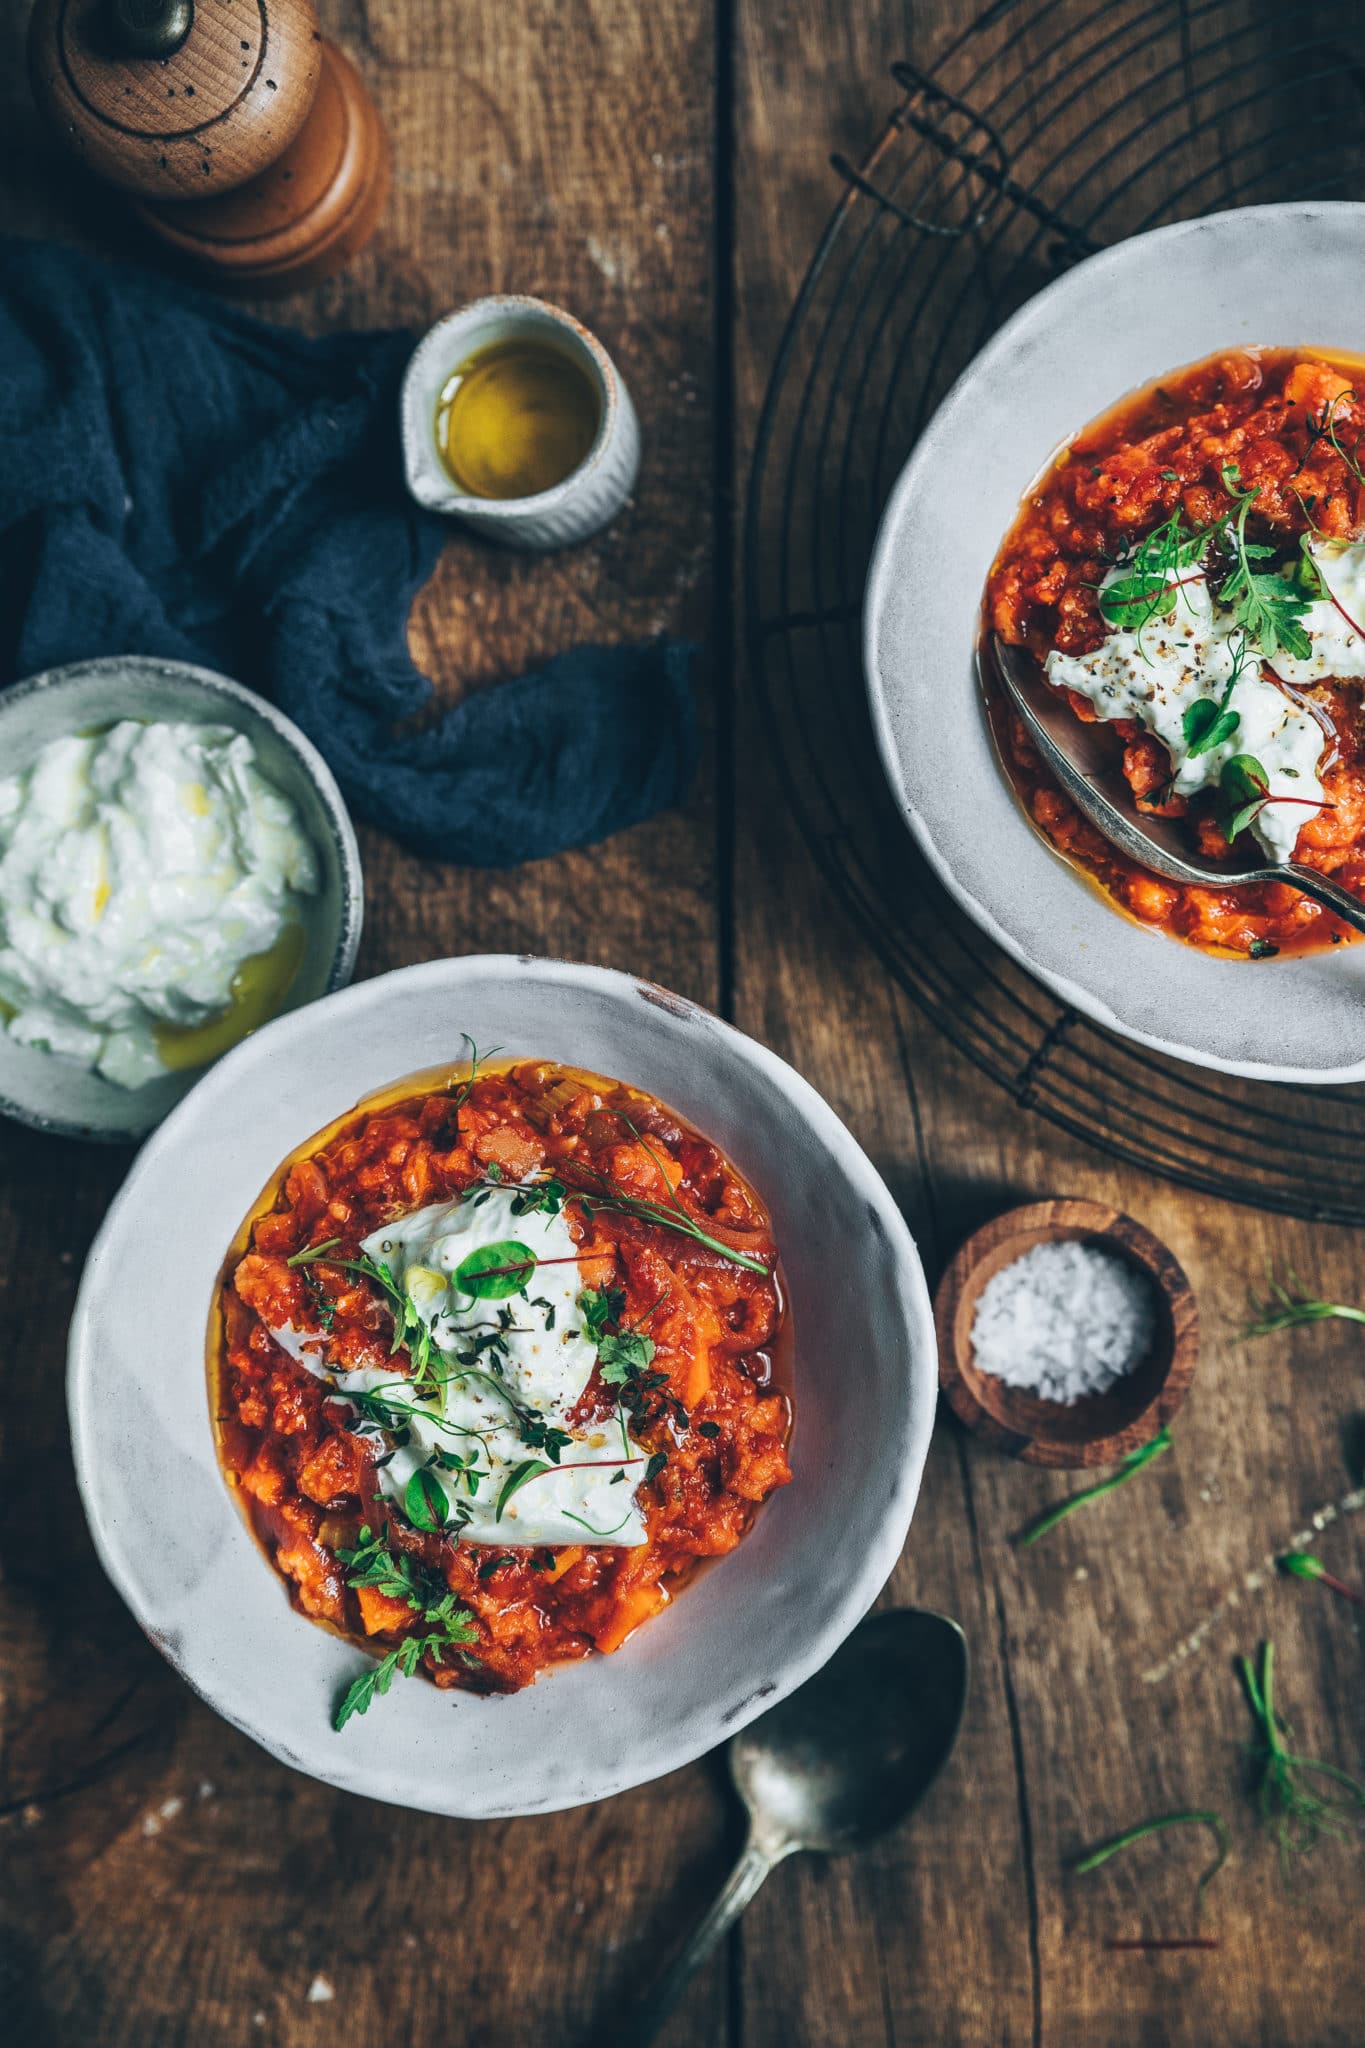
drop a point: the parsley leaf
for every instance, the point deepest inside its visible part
(401, 1578)
(1268, 606)
(623, 1356)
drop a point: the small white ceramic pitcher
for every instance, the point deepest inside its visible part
(586, 499)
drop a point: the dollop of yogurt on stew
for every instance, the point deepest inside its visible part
(506, 1374)
(151, 881)
(1154, 676)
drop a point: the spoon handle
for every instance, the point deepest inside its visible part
(1324, 890)
(743, 1881)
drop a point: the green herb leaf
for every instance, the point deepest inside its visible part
(1131, 1465)
(655, 1466)
(600, 1306)
(494, 1271)
(1207, 724)
(1243, 788)
(424, 1501)
(1297, 1816)
(493, 1564)
(1283, 1310)
(1150, 588)
(1267, 606)
(1093, 1858)
(621, 1356)
(529, 1468)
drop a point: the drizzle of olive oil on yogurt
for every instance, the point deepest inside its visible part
(259, 988)
(515, 418)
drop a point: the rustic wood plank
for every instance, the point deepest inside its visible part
(966, 1927)
(196, 1890)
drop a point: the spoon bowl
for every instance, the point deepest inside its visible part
(851, 1753)
(1072, 750)
(843, 1760)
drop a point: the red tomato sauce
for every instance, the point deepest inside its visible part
(1159, 453)
(721, 1415)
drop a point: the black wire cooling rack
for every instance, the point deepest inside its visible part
(1047, 130)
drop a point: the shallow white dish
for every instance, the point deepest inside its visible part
(751, 1628)
(54, 1094)
(1277, 275)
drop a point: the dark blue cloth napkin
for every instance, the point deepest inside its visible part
(177, 479)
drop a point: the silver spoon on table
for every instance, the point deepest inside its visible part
(1077, 757)
(844, 1760)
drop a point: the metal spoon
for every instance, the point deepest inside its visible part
(845, 1759)
(1075, 753)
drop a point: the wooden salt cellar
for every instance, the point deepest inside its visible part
(247, 142)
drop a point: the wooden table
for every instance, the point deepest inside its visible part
(663, 169)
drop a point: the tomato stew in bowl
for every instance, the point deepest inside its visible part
(499, 1362)
(1189, 570)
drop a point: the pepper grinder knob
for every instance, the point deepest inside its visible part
(247, 143)
(149, 28)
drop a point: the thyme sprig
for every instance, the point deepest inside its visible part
(1091, 1859)
(409, 1331)
(1297, 1817)
(447, 1625)
(1130, 1467)
(1285, 1307)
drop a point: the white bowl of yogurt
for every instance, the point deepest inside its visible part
(176, 868)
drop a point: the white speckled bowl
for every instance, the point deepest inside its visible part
(1277, 275)
(570, 511)
(54, 1094)
(750, 1629)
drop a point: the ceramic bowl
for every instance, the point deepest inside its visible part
(744, 1634)
(56, 1095)
(590, 496)
(1277, 275)
(1098, 1429)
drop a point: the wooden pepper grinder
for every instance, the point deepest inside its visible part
(248, 141)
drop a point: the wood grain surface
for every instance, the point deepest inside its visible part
(663, 170)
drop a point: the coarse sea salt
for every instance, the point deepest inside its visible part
(1063, 1320)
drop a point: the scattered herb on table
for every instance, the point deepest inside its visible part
(1131, 1465)
(1286, 1307)
(1091, 1859)
(1297, 1816)
(1301, 1564)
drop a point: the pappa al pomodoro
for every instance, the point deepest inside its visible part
(499, 1363)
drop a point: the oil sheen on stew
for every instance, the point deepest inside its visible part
(499, 1364)
(1190, 571)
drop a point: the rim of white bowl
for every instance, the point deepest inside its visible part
(720, 1719)
(200, 683)
(1087, 274)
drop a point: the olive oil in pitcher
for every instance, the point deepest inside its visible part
(515, 418)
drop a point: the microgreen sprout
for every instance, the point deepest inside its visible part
(1287, 1306)
(1131, 1465)
(1091, 1859)
(1297, 1816)
(1301, 1564)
